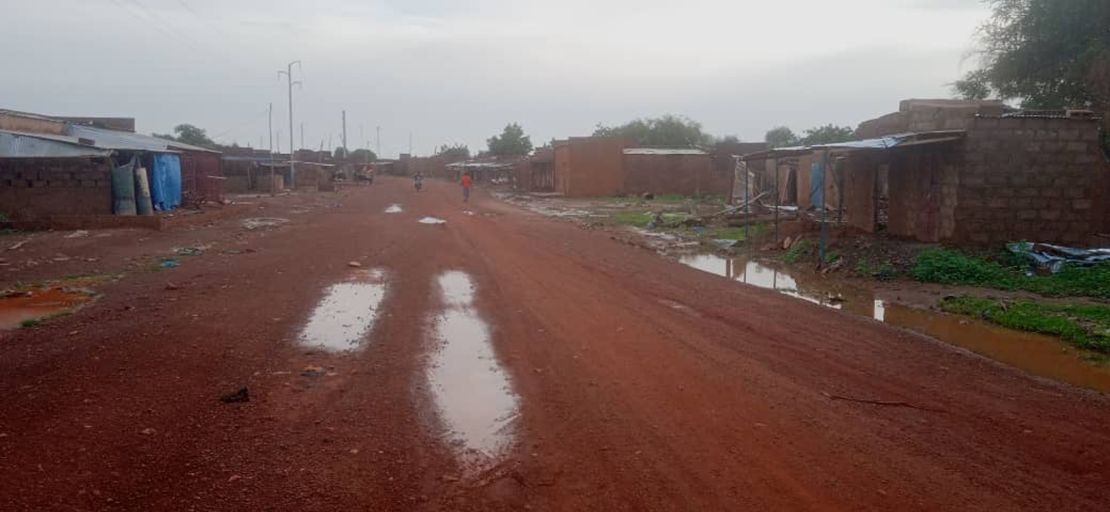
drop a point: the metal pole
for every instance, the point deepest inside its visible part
(775, 169)
(344, 134)
(824, 210)
(747, 207)
(378, 141)
(271, 124)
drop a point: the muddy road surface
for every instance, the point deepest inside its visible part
(404, 351)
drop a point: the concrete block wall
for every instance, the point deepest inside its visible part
(1033, 179)
(36, 188)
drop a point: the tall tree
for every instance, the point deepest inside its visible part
(667, 130)
(190, 134)
(361, 155)
(827, 134)
(780, 136)
(511, 142)
(456, 152)
(1048, 54)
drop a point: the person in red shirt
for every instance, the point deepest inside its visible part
(466, 183)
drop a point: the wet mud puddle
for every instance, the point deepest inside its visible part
(472, 392)
(394, 208)
(1037, 354)
(20, 308)
(346, 313)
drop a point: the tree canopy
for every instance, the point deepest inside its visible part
(827, 134)
(511, 142)
(189, 134)
(780, 136)
(1048, 54)
(668, 130)
(456, 152)
(358, 156)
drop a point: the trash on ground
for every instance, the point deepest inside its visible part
(394, 208)
(1055, 257)
(312, 371)
(18, 244)
(354, 264)
(254, 223)
(242, 395)
(80, 233)
(168, 263)
(432, 220)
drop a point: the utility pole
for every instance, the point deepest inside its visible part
(378, 139)
(344, 134)
(302, 135)
(410, 144)
(272, 187)
(289, 78)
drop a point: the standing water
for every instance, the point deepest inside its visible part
(19, 307)
(472, 393)
(346, 313)
(1035, 353)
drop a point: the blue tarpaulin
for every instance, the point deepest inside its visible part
(817, 183)
(165, 181)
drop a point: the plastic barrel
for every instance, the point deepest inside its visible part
(123, 190)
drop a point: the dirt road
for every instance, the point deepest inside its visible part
(628, 382)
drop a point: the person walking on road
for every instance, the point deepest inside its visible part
(466, 183)
(418, 181)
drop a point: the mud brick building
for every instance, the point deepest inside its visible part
(961, 172)
(673, 171)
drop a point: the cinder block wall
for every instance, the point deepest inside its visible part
(35, 188)
(1040, 180)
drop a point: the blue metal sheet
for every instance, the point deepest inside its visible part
(29, 145)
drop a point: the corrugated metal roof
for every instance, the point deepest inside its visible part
(34, 145)
(664, 151)
(880, 143)
(124, 141)
(127, 141)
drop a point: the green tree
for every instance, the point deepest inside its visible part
(361, 155)
(780, 136)
(827, 134)
(456, 152)
(1048, 54)
(340, 154)
(668, 130)
(189, 134)
(511, 142)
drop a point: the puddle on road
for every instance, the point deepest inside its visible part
(472, 393)
(394, 208)
(346, 313)
(1035, 353)
(432, 220)
(38, 303)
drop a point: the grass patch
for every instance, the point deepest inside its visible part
(798, 251)
(1084, 325)
(948, 266)
(633, 218)
(30, 322)
(884, 271)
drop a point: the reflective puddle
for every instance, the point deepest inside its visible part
(394, 208)
(1038, 354)
(346, 313)
(472, 393)
(432, 220)
(23, 308)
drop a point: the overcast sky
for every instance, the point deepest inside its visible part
(456, 71)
